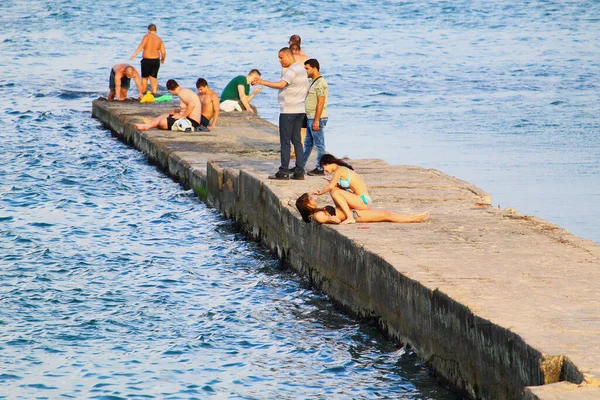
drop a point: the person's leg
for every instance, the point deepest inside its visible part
(297, 142)
(389, 216)
(124, 93)
(286, 129)
(341, 202)
(153, 85)
(347, 201)
(145, 74)
(230, 105)
(111, 85)
(154, 75)
(308, 143)
(303, 132)
(158, 122)
(319, 138)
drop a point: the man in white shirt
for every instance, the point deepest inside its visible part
(293, 88)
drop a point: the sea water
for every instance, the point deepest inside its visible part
(501, 94)
(118, 283)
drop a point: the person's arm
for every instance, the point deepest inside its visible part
(118, 77)
(216, 110)
(273, 85)
(320, 105)
(332, 183)
(140, 47)
(163, 52)
(245, 99)
(256, 91)
(188, 101)
(138, 83)
(185, 108)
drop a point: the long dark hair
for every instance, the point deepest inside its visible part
(331, 159)
(305, 209)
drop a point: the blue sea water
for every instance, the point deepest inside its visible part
(501, 94)
(117, 283)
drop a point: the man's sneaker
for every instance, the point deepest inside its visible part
(315, 171)
(279, 176)
(298, 177)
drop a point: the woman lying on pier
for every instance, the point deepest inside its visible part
(309, 210)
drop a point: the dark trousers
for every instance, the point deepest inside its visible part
(289, 131)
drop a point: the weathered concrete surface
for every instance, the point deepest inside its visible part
(562, 391)
(492, 300)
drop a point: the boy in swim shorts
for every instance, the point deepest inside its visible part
(153, 55)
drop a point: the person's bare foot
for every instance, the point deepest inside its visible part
(141, 127)
(348, 221)
(424, 216)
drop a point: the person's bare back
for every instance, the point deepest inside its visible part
(153, 45)
(190, 104)
(210, 106)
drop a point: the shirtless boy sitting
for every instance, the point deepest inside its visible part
(189, 107)
(154, 54)
(210, 103)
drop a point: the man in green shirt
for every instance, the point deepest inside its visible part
(236, 95)
(316, 114)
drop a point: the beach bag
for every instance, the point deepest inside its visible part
(183, 125)
(148, 98)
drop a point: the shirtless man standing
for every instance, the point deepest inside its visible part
(210, 103)
(154, 54)
(190, 108)
(120, 79)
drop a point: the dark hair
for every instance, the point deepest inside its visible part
(295, 39)
(303, 207)
(327, 159)
(313, 63)
(152, 27)
(286, 50)
(255, 71)
(172, 84)
(201, 82)
(295, 47)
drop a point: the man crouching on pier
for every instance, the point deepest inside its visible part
(120, 80)
(190, 109)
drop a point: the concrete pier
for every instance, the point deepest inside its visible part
(498, 304)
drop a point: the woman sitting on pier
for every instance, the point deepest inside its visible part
(347, 189)
(309, 210)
